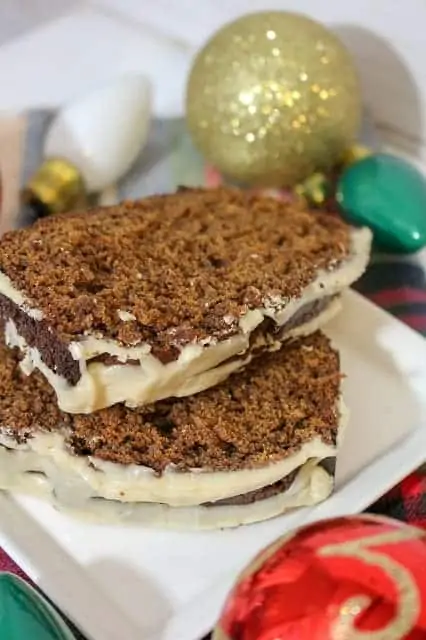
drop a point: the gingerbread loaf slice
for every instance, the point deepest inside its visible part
(167, 296)
(262, 442)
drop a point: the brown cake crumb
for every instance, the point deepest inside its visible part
(27, 403)
(257, 416)
(179, 264)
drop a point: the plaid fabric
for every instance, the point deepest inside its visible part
(406, 502)
(396, 284)
(399, 286)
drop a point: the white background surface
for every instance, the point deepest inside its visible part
(51, 50)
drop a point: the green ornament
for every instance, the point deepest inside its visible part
(388, 195)
(26, 615)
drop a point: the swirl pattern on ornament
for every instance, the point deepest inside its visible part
(408, 602)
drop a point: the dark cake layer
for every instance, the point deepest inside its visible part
(271, 490)
(260, 494)
(53, 351)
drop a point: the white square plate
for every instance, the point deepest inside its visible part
(137, 583)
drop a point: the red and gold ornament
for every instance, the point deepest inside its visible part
(353, 578)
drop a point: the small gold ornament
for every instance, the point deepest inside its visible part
(57, 186)
(315, 190)
(354, 153)
(272, 98)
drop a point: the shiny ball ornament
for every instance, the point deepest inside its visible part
(272, 98)
(388, 195)
(26, 615)
(354, 578)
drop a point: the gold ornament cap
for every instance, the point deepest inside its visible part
(57, 186)
(314, 190)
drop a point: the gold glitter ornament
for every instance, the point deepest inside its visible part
(272, 98)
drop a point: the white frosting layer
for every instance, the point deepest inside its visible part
(198, 367)
(22, 470)
(311, 485)
(149, 381)
(110, 492)
(82, 478)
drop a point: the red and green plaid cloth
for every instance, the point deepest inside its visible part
(399, 287)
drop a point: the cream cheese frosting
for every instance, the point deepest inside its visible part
(106, 492)
(44, 460)
(311, 485)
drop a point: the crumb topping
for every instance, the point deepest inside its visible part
(170, 269)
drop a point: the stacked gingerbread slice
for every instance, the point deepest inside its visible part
(162, 361)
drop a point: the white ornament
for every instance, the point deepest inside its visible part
(103, 133)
